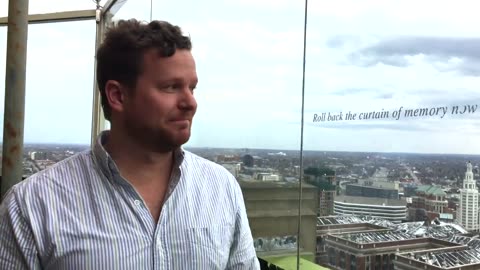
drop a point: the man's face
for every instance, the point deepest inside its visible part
(160, 110)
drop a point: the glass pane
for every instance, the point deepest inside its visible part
(139, 9)
(249, 60)
(391, 112)
(3, 61)
(58, 92)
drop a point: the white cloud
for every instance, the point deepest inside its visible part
(256, 40)
(249, 56)
(430, 18)
(268, 4)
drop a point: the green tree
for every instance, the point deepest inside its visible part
(320, 177)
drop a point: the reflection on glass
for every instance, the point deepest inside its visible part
(391, 117)
(391, 127)
(276, 243)
(249, 59)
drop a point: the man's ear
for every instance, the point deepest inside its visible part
(116, 94)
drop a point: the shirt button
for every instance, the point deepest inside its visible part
(137, 202)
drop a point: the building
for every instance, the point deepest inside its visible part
(452, 258)
(446, 217)
(354, 242)
(327, 190)
(392, 210)
(326, 195)
(38, 155)
(233, 167)
(371, 191)
(330, 225)
(468, 212)
(375, 249)
(227, 159)
(272, 210)
(326, 202)
(262, 176)
(380, 183)
(432, 199)
(409, 190)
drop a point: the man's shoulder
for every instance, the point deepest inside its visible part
(207, 169)
(199, 162)
(56, 175)
(211, 183)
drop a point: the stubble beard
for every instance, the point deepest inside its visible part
(156, 139)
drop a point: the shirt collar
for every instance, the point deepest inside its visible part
(107, 165)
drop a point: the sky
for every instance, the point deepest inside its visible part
(362, 56)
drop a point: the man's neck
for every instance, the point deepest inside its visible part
(138, 165)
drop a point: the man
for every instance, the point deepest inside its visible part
(136, 200)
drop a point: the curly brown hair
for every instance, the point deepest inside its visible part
(120, 56)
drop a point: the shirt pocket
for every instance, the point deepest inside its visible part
(211, 245)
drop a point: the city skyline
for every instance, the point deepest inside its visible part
(247, 150)
(372, 56)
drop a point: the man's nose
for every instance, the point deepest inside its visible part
(187, 100)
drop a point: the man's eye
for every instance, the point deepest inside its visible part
(170, 87)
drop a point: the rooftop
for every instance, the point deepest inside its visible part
(437, 229)
(330, 220)
(374, 187)
(472, 242)
(447, 259)
(370, 201)
(272, 184)
(431, 190)
(376, 237)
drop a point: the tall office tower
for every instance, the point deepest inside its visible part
(468, 213)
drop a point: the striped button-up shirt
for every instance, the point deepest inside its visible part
(82, 214)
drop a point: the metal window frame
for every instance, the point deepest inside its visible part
(64, 16)
(102, 16)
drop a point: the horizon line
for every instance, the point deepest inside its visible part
(272, 149)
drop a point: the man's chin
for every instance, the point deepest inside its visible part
(179, 140)
(182, 141)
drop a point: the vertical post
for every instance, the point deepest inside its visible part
(103, 20)
(302, 124)
(97, 118)
(14, 115)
